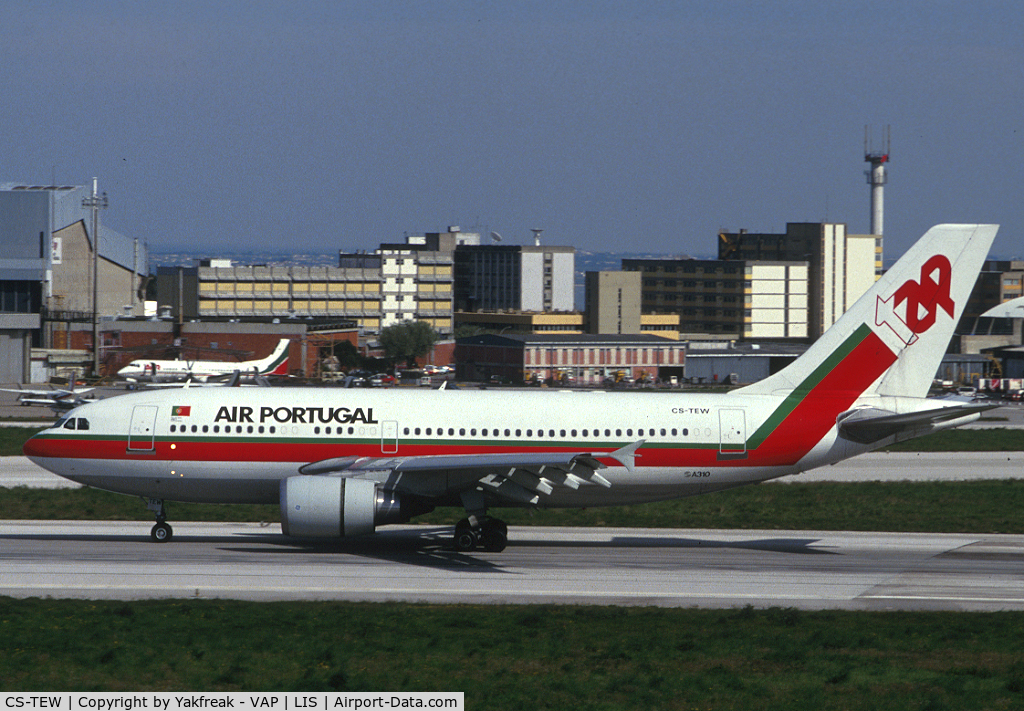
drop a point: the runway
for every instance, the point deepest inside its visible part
(658, 567)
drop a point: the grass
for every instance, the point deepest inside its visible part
(538, 657)
(938, 507)
(12, 439)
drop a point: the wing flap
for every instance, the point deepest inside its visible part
(521, 477)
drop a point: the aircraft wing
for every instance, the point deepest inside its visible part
(521, 477)
(871, 425)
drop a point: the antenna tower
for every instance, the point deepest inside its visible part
(877, 179)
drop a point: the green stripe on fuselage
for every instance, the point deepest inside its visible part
(810, 382)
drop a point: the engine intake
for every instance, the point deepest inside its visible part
(335, 507)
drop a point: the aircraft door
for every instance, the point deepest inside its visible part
(389, 437)
(142, 431)
(733, 433)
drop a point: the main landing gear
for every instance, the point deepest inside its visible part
(478, 529)
(162, 531)
(491, 534)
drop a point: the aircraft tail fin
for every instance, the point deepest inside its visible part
(274, 364)
(891, 341)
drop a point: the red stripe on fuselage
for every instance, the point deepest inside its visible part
(816, 414)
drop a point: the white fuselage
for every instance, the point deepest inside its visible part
(234, 446)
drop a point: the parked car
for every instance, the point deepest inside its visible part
(381, 379)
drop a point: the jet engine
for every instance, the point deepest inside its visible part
(336, 507)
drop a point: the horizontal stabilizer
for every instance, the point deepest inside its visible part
(870, 425)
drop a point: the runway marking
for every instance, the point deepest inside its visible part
(945, 598)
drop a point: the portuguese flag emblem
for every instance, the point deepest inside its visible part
(181, 411)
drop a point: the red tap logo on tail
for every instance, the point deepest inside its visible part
(923, 299)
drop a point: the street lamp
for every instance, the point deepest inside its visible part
(95, 203)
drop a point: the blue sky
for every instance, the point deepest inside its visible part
(612, 125)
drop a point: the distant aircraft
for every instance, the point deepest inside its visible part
(57, 399)
(157, 371)
(341, 462)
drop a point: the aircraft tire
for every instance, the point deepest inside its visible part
(162, 532)
(465, 540)
(494, 538)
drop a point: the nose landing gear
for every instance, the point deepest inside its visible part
(162, 531)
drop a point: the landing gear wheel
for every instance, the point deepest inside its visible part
(162, 532)
(494, 538)
(491, 535)
(465, 537)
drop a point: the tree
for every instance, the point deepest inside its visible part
(348, 355)
(408, 340)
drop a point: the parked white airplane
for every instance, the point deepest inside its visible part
(57, 399)
(201, 370)
(341, 462)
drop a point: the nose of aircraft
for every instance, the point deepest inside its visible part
(38, 446)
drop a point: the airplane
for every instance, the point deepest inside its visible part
(57, 399)
(202, 370)
(342, 462)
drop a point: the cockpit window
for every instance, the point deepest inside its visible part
(69, 424)
(59, 423)
(83, 424)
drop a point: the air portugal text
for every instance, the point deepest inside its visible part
(297, 415)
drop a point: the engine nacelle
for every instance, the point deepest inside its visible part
(335, 507)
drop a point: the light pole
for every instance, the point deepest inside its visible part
(95, 202)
